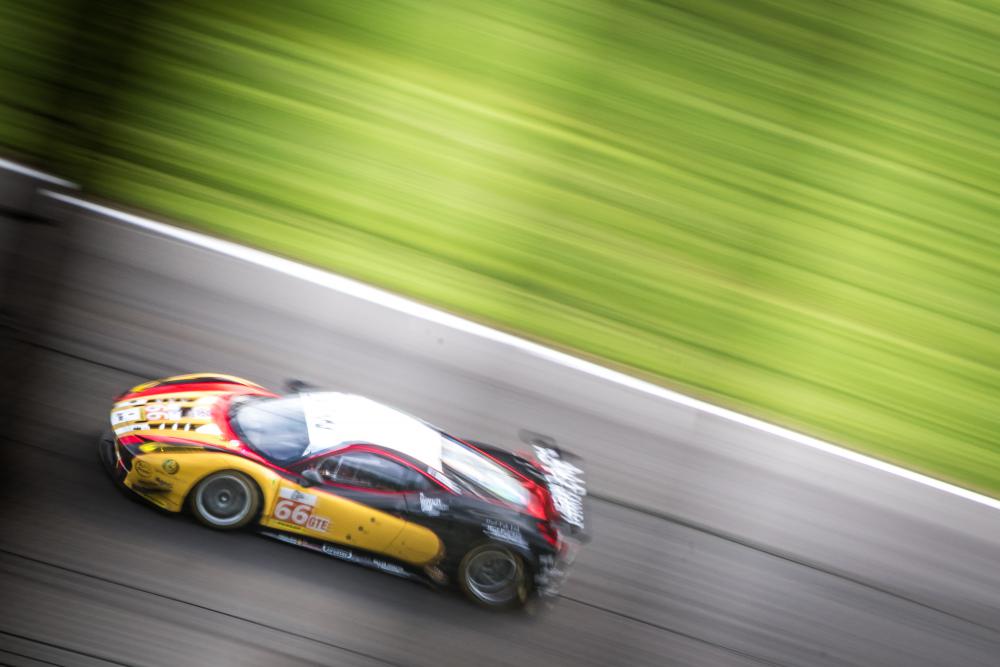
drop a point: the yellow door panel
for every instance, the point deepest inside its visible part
(416, 544)
(318, 513)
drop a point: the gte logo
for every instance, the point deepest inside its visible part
(296, 508)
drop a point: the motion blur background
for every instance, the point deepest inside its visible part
(789, 208)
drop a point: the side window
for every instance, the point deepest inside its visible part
(371, 471)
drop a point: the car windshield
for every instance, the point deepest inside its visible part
(275, 427)
(289, 428)
(481, 474)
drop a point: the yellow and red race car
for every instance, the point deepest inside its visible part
(353, 479)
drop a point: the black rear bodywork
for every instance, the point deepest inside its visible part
(463, 521)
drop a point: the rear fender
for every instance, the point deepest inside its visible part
(564, 477)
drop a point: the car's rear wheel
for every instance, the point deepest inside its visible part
(225, 500)
(493, 576)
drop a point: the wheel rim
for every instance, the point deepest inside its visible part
(224, 500)
(493, 576)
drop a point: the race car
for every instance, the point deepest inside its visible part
(348, 477)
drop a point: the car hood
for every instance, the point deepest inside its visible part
(190, 408)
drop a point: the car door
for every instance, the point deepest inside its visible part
(377, 479)
(366, 476)
(363, 514)
(368, 491)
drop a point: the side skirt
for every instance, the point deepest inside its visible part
(356, 556)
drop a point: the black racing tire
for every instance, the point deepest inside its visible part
(106, 452)
(493, 576)
(106, 455)
(225, 500)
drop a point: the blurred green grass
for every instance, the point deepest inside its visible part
(789, 208)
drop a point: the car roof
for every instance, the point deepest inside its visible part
(335, 420)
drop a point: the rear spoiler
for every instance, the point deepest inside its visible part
(564, 477)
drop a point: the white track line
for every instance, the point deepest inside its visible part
(403, 305)
(34, 173)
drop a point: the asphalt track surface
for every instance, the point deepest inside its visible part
(713, 545)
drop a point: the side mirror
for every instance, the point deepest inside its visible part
(310, 477)
(294, 386)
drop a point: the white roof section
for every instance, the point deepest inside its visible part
(335, 419)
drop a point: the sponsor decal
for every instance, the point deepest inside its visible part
(296, 507)
(566, 485)
(203, 412)
(171, 467)
(319, 523)
(432, 506)
(142, 468)
(298, 496)
(124, 416)
(325, 423)
(162, 412)
(122, 430)
(337, 552)
(386, 566)
(504, 532)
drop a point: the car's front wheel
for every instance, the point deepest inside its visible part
(225, 500)
(106, 455)
(493, 576)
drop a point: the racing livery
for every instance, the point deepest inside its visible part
(345, 476)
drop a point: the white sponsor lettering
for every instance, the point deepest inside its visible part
(201, 412)
(287, 510)
(123, 416)
(565, 484)
(388, 567)
(320, 523)
(504, 532)
(159, 412)
(432, 506)
(297, 496)
(337, 552)
(296, 508)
